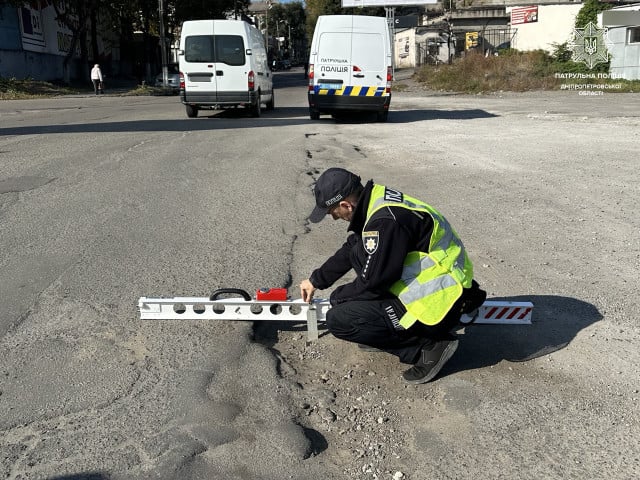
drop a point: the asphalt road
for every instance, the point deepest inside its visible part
(104, 200)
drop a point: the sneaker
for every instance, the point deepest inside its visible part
(431, 362)
(368, 348)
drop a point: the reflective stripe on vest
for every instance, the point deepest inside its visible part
(430, 282)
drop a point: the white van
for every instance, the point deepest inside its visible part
(350, 65)
(223, 63)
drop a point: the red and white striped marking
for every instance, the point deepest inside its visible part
(503, 312)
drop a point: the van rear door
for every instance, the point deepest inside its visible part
(333, 62)
(199, 68)
(368, 68)
(231, 66)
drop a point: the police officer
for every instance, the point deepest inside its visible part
(413, 277)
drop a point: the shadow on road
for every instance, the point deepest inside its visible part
(82, 476)
(556, 322)
(234, 119)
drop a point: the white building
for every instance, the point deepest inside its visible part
(623, 25)
(539, 27)
(421, 45)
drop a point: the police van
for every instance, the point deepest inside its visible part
(223, 63)
(350, 66)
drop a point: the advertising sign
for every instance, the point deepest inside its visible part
(40, 30)
(384, 3)
(470, 40)
(403, 47)
(31, 27)
(524, 15)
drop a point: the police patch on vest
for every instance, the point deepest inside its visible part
(392, 195)
(370, 240)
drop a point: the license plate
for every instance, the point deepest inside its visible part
(330, 86)
(200, 78)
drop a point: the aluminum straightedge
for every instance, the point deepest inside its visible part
(202, 308)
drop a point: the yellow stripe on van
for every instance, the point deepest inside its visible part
(357, 91)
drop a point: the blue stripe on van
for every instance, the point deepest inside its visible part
(351, 91)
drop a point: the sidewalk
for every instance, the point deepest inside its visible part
(403, 74)
(112, 86)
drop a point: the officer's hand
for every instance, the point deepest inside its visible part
(306, 290)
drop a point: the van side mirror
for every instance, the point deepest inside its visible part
(180, 52)
(248, 51)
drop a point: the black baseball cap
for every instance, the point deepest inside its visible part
(334, 185)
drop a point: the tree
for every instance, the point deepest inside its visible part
(315, 8)
(295, 16)
(85, 18)
(288, 21)
(589, 12)
(75, 15)
(207, 9)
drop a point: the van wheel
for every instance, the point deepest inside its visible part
(192, 112)
(314, 114)
(271, 104)
(382, 116)
(255, 108)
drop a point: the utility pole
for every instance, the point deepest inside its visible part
(163, 45)
(266, 21)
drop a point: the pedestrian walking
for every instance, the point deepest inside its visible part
(96, 78)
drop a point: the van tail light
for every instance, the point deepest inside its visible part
(252, 80)
(311, 77)
(356, 68)
(181, 80)
(389, 78)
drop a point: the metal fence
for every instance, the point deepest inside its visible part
(488, 41)
(434, 51)
(431, 52)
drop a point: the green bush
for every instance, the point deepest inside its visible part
(512, 70)
(475, 73)
(562, 63)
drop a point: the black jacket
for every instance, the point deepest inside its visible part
(399, 231)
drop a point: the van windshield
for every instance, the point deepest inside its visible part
(227, 49)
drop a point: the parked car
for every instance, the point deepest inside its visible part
(284, 64)
(173, 78)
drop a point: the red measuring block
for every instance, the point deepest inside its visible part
(278, 294)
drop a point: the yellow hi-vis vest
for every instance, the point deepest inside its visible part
(432, 281)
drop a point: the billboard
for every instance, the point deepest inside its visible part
(524, 15)
(40, 30)
(384, 3)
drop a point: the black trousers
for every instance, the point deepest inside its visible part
(375, 323)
